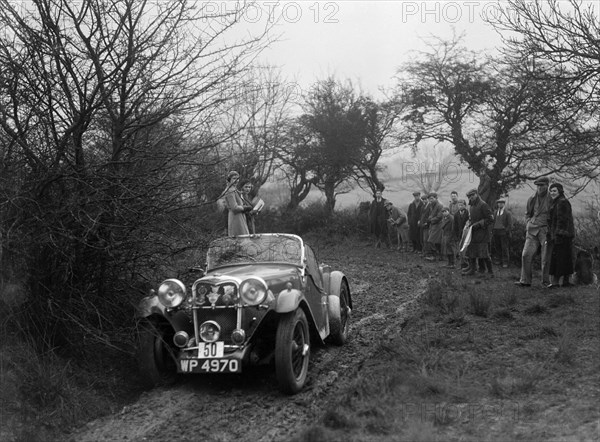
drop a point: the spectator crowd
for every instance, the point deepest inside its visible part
(470, 235)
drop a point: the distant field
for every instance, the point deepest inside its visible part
(399, 188)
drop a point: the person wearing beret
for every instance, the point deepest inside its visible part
(536, 216)
(503, 223)
(481, 217)
(561, 232)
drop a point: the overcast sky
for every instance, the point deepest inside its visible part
(366, 41)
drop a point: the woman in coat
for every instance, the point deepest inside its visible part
(561, 232)
(236, 219)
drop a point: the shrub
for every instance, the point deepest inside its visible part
(313, 218)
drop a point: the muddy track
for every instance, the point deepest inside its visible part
(249, 407)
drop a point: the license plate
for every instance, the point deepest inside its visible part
(210, 366)
(210, 350)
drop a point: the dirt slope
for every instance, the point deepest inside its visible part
(249, 407)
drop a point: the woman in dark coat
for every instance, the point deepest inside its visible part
(378, 218)
(561, 232)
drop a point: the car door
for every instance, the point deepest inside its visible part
(316, 295)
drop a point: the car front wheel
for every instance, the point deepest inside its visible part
(155, 355)
(292, 351)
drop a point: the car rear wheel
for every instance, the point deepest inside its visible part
(339, 310)
(155, 355)
(292, 351)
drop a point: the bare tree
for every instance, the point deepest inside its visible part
(104, 107)
(504, 123)
(259, 120)
(565, 33)
(380, 118)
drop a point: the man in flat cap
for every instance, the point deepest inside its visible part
(501, 232)
(536, 217)
(414, 215)
(481, 217)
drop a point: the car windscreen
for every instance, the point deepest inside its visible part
(254, 249)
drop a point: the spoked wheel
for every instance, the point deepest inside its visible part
(339, 310)
(156, 357)
(292, 351)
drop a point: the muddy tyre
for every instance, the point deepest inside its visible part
(339, 309)
(156, 361)
(292, 351)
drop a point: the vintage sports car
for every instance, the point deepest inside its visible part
(262, 298)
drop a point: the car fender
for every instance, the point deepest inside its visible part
(288, 300)
(150, 307)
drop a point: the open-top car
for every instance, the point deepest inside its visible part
(262, 298)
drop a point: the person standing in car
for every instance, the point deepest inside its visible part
(236, 221)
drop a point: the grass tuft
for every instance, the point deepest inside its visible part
(480, 303)
(536, 309)
(560, 299)
(503, 313)
(566, 346)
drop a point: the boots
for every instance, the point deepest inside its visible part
(471, 269)
(488, 264)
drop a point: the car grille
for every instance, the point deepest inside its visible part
(225, 317)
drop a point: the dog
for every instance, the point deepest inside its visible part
(584, 268)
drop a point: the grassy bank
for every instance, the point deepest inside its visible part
(483, 360)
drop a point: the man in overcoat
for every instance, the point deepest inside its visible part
(435, 227)
(378, 218)
(414, 215)
(481, 216)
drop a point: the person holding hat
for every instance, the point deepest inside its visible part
(536, 216)
(481, 217)
(414, 215)
(378, 218)
(398, 223)
(501, 232)
(561, 231)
